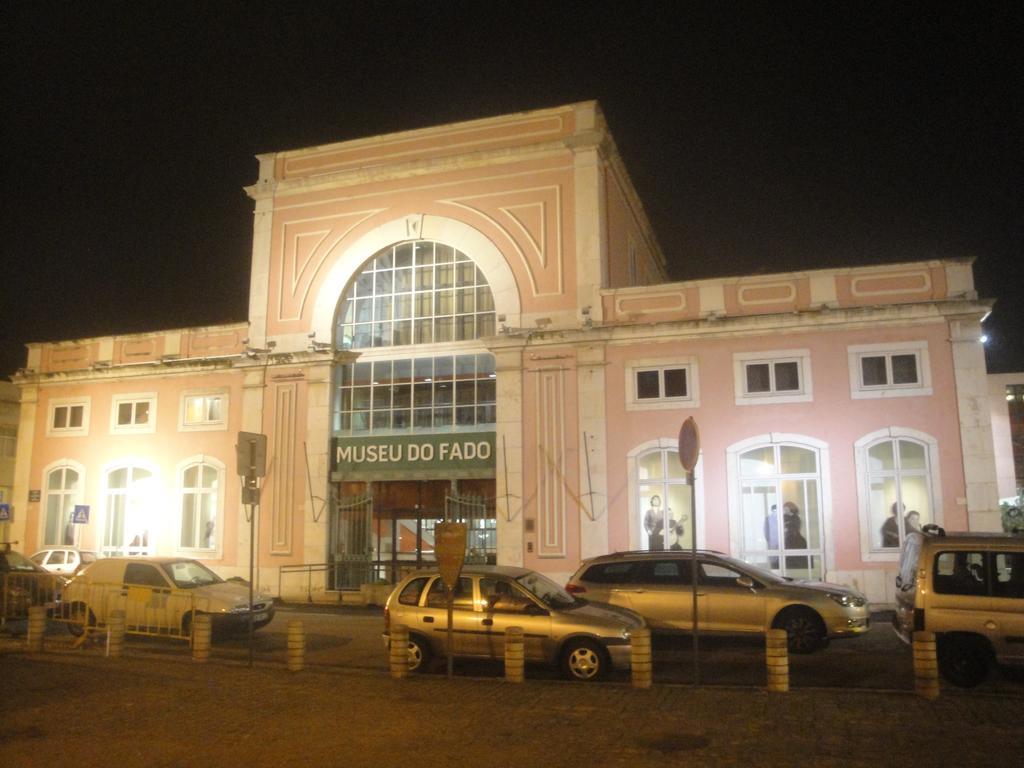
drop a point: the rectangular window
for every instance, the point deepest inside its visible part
(782, 376)
(8, 441)
(68, 417)
(133, 413)
(655, 384)
(889, 370)
(204, 411)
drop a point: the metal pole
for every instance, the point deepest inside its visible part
(451, 602)
(693, 551)
(252, 544)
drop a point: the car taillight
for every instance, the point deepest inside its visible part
(387, 619)
(575, 589)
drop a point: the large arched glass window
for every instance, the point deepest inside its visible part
(899, 490)
(419, 292)
(664, 502)
(200, 496)
(63, 489)
(415, 293)
(780, 495)
(131, 500)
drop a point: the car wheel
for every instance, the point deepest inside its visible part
(584, 660)
(964, 661)
(419, 654)
(805, 631)
(78, 615)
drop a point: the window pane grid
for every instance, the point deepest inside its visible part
(416, 293)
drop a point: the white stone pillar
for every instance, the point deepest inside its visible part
(975, 425)
(508, 463)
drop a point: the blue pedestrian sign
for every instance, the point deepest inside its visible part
(81, 514)
(5, 513)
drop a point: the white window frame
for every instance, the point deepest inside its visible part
(68, 402)
(133, 429)
(802, 357)
(214, 552)
(204, 426)
(692, 398)
(861, 391)
(868, 553)
(734, 490)
(636, 533)
(75, 497)
(155, 503)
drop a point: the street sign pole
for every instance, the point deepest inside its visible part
(689, 452)
(251, 459)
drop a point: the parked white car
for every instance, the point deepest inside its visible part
(64, 559)
(159, 596)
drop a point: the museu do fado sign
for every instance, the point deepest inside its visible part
(455, 454)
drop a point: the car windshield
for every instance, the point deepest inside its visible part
(188, 574)
(13, 561)
(545, 590)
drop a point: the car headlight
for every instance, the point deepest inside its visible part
(626, 634)
(847, 600)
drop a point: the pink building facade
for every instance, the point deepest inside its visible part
(473, 321)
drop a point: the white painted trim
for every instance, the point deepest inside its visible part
(692, 399)
(633, 484)
(461, 236)
(215, 552)
(801, 356)
(82, 431)
(860, 454)
(148, 428)
(206, 426)
(732, 454)
(858, 391)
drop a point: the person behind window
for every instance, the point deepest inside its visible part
(654, 524)
(676, 530)
(891, 527)
(771, 533)
(792, 536)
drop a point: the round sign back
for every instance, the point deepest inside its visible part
(689, 444)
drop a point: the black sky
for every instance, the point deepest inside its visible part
(761, 136)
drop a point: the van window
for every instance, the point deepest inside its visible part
(960, 573)
(1009, 574)
(908, 562)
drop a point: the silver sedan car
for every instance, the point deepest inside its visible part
(733, 597)
(585, 639)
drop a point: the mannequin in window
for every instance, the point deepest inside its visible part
(771, 533)
(793, 538)
(912, 522)
(654, 524)
(891, 527)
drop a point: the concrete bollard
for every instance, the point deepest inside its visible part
(202, 629)
(926, 665)
(515, 655)
(115, 634)
(398, 654)
(777, 660)
(36, 628)
(640, 657)
(296, 646)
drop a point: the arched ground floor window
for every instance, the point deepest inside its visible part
(63, 483)
(776, 503)
(662, 514)
(130, 510)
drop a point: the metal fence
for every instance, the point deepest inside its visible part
(21, 591)
(148, 611)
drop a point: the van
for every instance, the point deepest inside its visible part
(967, 588)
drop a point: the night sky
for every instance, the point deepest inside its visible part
(761, 136)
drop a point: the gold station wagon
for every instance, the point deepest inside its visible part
(586, 639)
(733, 597)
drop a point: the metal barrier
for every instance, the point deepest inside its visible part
(21, 591)
(148, 611)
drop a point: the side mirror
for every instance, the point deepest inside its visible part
(745, 581)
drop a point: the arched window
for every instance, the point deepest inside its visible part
(780, 515)
(415, 293)
(130, 505)
(200, 505)
(899, 489)
(63, 490)
(664, 501)
(420, 292)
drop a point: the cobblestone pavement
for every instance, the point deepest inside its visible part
(162, 710)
